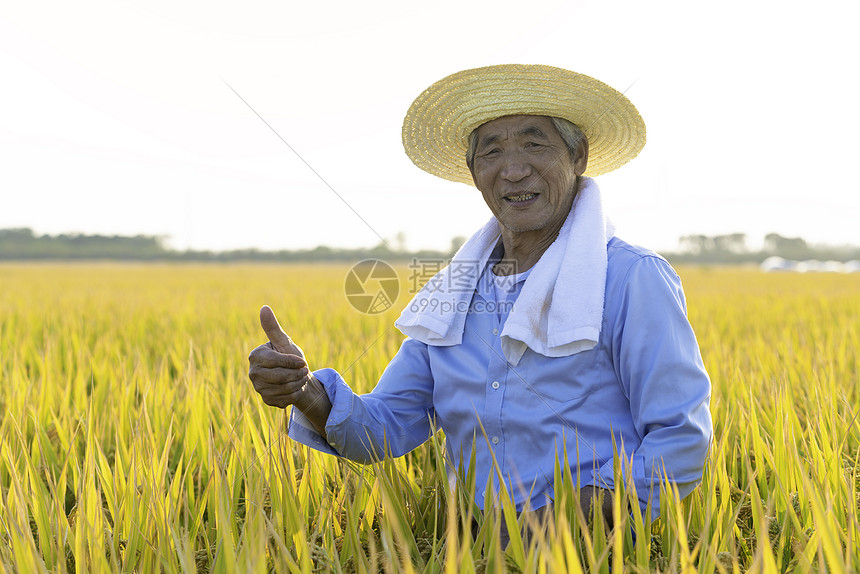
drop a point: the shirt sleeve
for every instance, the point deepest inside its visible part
(658, 362)
(391, 420)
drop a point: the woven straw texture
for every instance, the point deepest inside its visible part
(437, 126)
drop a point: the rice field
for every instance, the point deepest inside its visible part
(131, 439)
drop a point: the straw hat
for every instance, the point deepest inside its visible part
(437, 126)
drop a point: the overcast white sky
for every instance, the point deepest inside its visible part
(117, 118)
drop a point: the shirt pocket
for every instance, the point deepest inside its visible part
(556, 379)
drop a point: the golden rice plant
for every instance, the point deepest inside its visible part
(131, 439)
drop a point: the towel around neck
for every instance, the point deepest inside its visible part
(559, 311)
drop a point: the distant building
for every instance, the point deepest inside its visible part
(775, 263)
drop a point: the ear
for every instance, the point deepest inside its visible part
(471, 166)
(580, 156)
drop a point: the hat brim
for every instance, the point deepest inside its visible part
(438, 123)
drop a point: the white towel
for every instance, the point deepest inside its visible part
(559, 311)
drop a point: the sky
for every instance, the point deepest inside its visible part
(276, 125)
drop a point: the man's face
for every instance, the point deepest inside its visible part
(525, 173)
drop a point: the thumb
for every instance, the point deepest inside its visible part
(280, 340)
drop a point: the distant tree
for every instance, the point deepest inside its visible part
(774, 242)
(400, 242)
(456, 243)
(731, 243)
(16, 234)
(696, 243)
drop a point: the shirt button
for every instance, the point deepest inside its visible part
(495, 384)
(495, 440)
(495, 331)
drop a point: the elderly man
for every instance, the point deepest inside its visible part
(547, 336)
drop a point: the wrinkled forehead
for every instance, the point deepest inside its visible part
(515, 121)
(514, 126)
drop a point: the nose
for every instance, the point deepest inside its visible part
(515, 169)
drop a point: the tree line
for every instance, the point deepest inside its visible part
(733, 248)
(23, 244)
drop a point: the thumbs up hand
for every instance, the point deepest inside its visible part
(278, 368)
(280, 341)
(281, 376)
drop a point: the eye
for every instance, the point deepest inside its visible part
(491, 152)
(534, 145)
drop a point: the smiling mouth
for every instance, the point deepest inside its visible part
(521, 198)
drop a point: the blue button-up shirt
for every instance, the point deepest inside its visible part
(642, 388)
